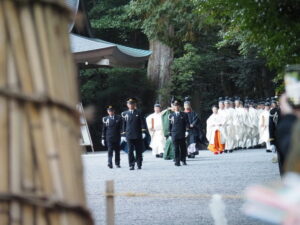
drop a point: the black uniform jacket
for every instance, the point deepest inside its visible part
(112, 128)
(179, 124)
(274, 119)
(134, 124)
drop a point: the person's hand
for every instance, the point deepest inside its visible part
(103, 142)
(285, 107)
(186, 134)
(143, 135)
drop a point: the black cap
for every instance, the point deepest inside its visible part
(131, 100)
(172, 99)
(176, 102)
(221, 99)
(157, 104)
(110, 108)
(187, 100)
(228, 100)
(267, 104)
(236, 98)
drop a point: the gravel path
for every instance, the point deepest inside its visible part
(227, 174)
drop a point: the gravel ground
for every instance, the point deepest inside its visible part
(227, 174)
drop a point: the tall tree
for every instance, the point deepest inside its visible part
(167, 23)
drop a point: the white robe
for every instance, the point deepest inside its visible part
(229, 129)
(158, 140)
(253, 119)
(222, 119)
(214, 123)
(264, 134)
(239, 123)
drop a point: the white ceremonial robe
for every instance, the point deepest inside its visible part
(229, 129)
(155, 127)
(238, 122)
(214, 123)
(222, 119)
(264, 134)
(253, 119)
(246, 128)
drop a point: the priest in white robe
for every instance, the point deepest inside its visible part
(264, 135)
(215, 132)
(253, 119)
(155, 127)
(229, 128)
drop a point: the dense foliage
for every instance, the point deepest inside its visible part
(170, 21)
(271, 26)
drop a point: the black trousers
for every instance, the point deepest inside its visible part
(137, 146)
(180, 150)
(113, 146)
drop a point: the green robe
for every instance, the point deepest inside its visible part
(169, 147)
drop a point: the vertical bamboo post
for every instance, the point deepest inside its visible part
(39, 126)
(110, 203)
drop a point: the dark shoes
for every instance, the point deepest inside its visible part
(184, 163)
(110, 166)
(131, 168)
(161, 155)
(230, 151)
(177, 164)
(118, 166)
(139, 167)
(268, 150)
(157, 156)
(225, 151)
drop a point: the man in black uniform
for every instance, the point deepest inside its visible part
(273, 122)
(134, 128)
(111, 135)
(179, 126)
(194, 136)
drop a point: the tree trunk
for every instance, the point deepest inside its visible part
(159, 65)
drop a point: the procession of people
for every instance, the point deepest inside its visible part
(176, 134)
(236, 124)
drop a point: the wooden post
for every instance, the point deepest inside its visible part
(110, 203)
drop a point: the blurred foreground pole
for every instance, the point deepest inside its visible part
(110, 203)
(41, 177)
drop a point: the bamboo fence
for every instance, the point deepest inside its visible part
(41, 176)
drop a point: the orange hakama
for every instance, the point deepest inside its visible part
(217, 147)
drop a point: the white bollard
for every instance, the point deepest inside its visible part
(217, 210)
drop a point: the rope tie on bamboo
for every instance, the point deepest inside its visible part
(48, 204)
(130, 194)
(39, 100)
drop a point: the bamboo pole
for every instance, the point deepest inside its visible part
(3, 120)
(39, 139)
(110, 203)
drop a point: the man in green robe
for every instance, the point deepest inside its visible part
(169, 147)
